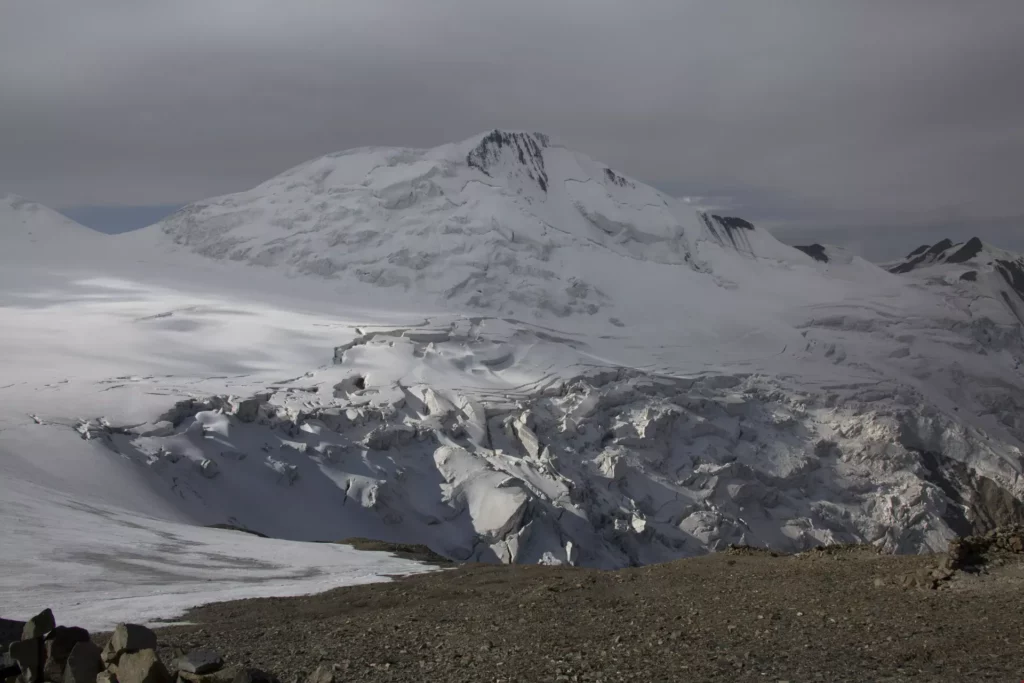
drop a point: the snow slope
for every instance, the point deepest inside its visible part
(510, 352)
(88, 330)
(26, 227)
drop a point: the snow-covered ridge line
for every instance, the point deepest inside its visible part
(503, 222)
(994, 271)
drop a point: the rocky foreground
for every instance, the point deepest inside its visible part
(833, 614)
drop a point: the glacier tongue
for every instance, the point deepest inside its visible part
(608, 468)
(621, 466)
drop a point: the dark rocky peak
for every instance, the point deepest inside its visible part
(1013, 273)
(733, 223)
(970, 249)
(525, 149)
(939, 247)
(815, 251)
(924, 255)
(944, 251)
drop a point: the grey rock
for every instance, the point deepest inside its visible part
(208, 468)
(39, 625)
(128, 638)
(106, 677)
(143, 666)
(83, 663)
(28, 654)
(200, 662)
(58, 646)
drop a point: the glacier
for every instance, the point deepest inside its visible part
(505, 350)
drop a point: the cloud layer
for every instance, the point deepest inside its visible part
(895, 114)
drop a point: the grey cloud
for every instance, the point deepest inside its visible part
(895, 114)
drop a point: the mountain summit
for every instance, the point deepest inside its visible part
(503, 221)
(24, 223)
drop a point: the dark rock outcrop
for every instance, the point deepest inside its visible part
(815, 251)
(971, 551)
(526, 148)
(970, 249)
(1013, 273)
(615, 178)
(731, 228)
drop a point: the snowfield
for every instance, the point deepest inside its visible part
(499, 348)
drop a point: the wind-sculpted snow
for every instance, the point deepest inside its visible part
(507, 351)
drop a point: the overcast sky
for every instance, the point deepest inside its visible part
(803, 115)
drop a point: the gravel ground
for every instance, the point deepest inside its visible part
(840, 615)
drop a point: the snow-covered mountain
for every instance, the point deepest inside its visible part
(511, 352)
(969, 266)
(28, 226)
(510, 223)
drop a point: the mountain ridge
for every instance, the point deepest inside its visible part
(502, 221)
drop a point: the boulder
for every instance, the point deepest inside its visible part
(200, 662)
(143, 666)
(128, 638)
(39, 625)
(58, 646)
(28, 654)
(83, 663)
(208, 468)
(106, 677)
